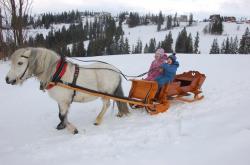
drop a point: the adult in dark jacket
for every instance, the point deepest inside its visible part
(168, 71)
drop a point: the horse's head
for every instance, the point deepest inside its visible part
(28, 62)
(20, 63)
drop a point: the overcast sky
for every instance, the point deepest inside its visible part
(200, 8)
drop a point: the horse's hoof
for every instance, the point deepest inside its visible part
(75, 131)
(96, 124)
(60, 126)
(119, 115)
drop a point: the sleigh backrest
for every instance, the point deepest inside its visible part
(186, 82)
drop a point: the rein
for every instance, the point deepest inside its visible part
(117, 71)
(62, 66)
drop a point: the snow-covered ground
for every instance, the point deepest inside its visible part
(215, 130)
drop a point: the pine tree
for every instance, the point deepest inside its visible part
(181, 42)
(190, 21)
(64, 51)
(127, 48)
(231, 46)
(196, 43)
(245, 43)
(178, 44)
(50, 39)
(189, 44)
(227, 46)
(146, 48)
(138, 47)
(74, 50)
(160, 18)
(169, 22)
(223, 47)
(121, 46)
(235, 46)
(114, 47)
(119, 30)
(215, 47)
(175, 20)
(159, 45)
(39, 40)
(216, 27)
(86, 29)
(152, 45)
(220, 27)
(178, 23)
(167, 43)
(80, 49)
(133, 20)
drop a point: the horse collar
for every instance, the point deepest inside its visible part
(60, 71)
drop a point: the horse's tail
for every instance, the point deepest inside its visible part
(122, 107)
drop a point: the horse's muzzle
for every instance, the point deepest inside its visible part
(12, 82)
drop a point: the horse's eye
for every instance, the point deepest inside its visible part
(20, 63)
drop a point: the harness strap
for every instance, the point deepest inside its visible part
(60, 71)
(74, 80)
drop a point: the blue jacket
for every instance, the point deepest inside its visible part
(169, 72)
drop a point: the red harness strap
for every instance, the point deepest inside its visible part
(62, 72)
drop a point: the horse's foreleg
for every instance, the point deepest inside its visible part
(63, 116)
(106, 104)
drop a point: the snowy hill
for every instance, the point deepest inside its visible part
(145, 33)
(215, 130)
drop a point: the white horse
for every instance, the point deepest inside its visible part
(42, 63)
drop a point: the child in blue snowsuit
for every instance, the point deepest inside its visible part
(168, 71)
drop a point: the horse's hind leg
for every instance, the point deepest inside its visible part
(63, 116)
(106, 104)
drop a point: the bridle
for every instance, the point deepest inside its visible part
(25, 68)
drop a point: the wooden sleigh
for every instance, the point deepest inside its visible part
(185, 84)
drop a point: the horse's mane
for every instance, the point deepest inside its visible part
(42, 64)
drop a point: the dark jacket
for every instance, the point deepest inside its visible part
(169, 72)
